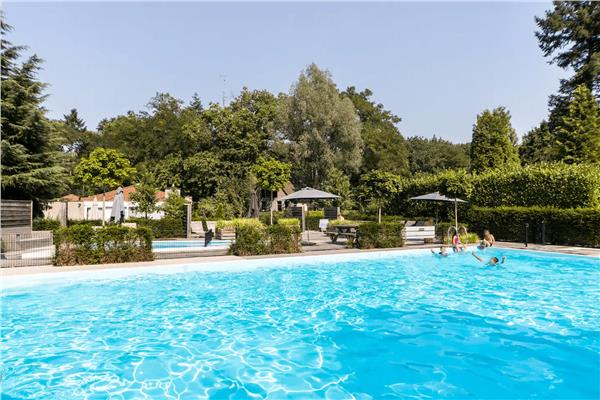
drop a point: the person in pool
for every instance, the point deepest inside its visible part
(441, 253)
(492, 261)
(488, 238)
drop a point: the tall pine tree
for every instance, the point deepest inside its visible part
(493, 142)
(29, 153)
(578, 131)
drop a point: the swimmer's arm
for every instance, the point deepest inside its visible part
(503, 259)
(477, 257)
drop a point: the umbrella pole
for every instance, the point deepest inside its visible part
(456, 215)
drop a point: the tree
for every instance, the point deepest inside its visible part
(493, 142)
(173, 206)
(271, 175)
(339, 183)
(73, 121)
(322, 128)
(578, 132)
(30, 169)
(570, 33)
(537, 145)
(384, 147)
(104, 168)
(378, 187)
(436, 154)
(145, 196)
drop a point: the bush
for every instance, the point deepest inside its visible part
(562, 226)
(89, 222)
(164, 228)
(254, 239)
(237, 223)
(45, 224)
(384, 235)
(81, 244)
(547, 185)
(289, 222)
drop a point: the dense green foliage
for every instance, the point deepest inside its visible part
(494, 140)
(570, 33)
(378, 188)
(561, 226)
(144, 198)
(82, 244)
(45, 224)
(578, 131)
(252, 239)
(30, 169)
(436, 155)
(555, 185)
(384, 147)
(164, 228)
(104, 169)
(322, 127)
(373, 235)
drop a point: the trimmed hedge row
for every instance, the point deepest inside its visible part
(45, 224)
(545, 185)
(561, 226)
(164, 228)
(251, 240)
(82, 244)
(373, 235)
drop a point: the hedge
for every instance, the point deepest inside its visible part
(45, 224)
(562, 226)
(90, 222)
(82, 244)
(164, 228)
(372, 235)
(546, 185)
(253, 240)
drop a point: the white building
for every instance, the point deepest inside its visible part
(73, 207)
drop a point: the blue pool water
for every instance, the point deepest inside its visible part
(183, 244)
(392, 326)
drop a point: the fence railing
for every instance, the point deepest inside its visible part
(26, 249)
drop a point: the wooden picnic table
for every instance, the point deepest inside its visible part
(347, 231)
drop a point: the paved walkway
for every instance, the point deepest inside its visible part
(326, 248)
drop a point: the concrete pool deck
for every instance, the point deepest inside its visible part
(6, 272)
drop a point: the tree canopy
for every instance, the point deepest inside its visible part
(322, 127)
(30, 153)
(493, 142)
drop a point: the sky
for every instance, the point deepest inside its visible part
(435, 65)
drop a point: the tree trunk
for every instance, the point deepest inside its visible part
(379, 215)
(271, 207)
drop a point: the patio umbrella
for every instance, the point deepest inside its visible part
(117, 213)
(437, 196)
(309, 194)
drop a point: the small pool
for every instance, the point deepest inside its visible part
(366, 326)
(186, 244)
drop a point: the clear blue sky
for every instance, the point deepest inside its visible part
(436, 65)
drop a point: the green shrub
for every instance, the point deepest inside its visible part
(289, 221)
(562, 226)
(547, 185)
(82, 244)
(90, 222)
(236, 223)
(164, 228)
(45, 224)
(249, 241)
(283, 239)
(384, 235)
(273, 239)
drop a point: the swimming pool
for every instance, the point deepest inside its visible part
(187, 244)
(395, 324)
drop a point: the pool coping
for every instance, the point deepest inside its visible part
(50, 269)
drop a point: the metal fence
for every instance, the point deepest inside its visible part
(26, 249)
